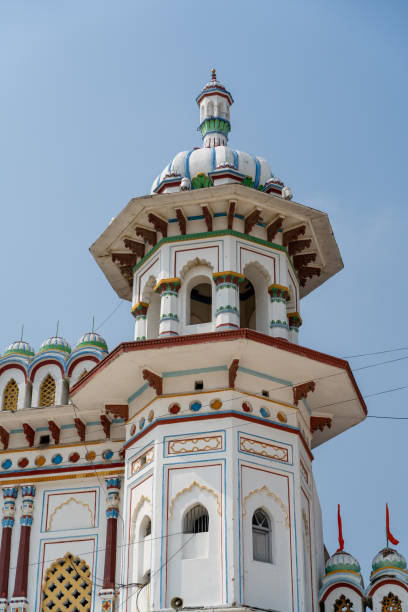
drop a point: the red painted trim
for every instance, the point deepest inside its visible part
(385, 581)
(20, 584)
(16, 366)
(40, 364)
(247, 334)
(110, 553)
(77, 468)
(79, 359)
(342, 585)
(212, 93)
(245, 417)
(5, 561)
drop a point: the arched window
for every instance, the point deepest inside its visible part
(10, 396)
(147, 528)
(261, 536)
(196, 520)
(343, 605)
(247, 305)
(201, 303)
(47, 391)
(67, 586)
(391, 603)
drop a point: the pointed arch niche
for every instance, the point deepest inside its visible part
(197, 297)
(254, 297)
(140, 542)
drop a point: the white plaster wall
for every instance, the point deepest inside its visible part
(40, 374)
(86, 364)
(23, 387)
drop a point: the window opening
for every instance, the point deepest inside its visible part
(201, 304)
(148, 528)
(196, 520)
(261, 536)
(47, 391)
(45, 440)
(247, 305)
(67, 586)
(10, 396)
(199, 385)
(391, 603)
(343, 605)
(265, 393)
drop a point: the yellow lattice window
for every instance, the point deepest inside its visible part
(67, 586)
(10, 396)
(343, 605)
(391, 603)
(47, 391)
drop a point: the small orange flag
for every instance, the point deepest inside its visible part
(341, 541)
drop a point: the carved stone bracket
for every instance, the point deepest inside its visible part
(303, 260)
(138, 248)
(155, 381)
(105, 422)
(125, 259)
(273, 227)
(4, 437)
(251, 220)
(55, 431)
(232, 373)
(293, 234)
(319, 423)
(147, 235)
(296, 246)
(207, 217)
(182, 221)
(29, 433)
(120, 411)
(159, 224)
(301, 391)
(231, 213)
(308, 272)
(80, 427)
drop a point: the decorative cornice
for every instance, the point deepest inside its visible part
(228, 277)
(232, 373)
(80, 427)
(55, 431)
(118, 410)
(29, 433)
(279, 292)
(155, 381)
(319, 423)
(301, 391)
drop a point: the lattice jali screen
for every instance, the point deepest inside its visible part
(391, 603)
(67, 586)
(47, 391)
(10, 396)
(343, 605)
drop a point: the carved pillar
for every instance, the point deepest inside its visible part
(139, 311)
(108, 592)
(227, 314)
(168, 289)
(19, 601)
(9, 508)
(295, 321)
(278, 325)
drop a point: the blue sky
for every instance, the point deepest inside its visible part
(96, 97)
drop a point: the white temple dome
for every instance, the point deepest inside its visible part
(20, 347)
(215, 162)
(92, 339)
(342, 561)
(389, 558)
(55, 343)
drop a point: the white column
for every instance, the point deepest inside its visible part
(169, 324)
(278, 320)
(295, 321)
(139, 311)
(227, 314)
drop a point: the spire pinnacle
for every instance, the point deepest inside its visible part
(213, 74)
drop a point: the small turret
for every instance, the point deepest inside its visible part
(214, 102)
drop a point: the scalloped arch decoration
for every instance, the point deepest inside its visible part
(148, 289)
(259, 268)
(193, 485)
(66, 503)
(143, 499)
(265, 491)
(193, 263)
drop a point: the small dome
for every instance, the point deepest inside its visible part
(19, 347)
(55, 343)
(342, 561)
(92, 339)
(389, 558)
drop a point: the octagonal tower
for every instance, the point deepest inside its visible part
(222, 405)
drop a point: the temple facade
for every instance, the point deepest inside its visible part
(176, 471)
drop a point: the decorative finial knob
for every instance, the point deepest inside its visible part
(213, 75)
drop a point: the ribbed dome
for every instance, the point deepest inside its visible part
(389, 557)
(92, 339)
(55, 343)
(188, 164)
(342, 561)
(19, 347)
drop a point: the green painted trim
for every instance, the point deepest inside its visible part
(19, 352)
(201, 235)
(101, 345)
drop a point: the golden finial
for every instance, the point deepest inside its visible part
(213, 75)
